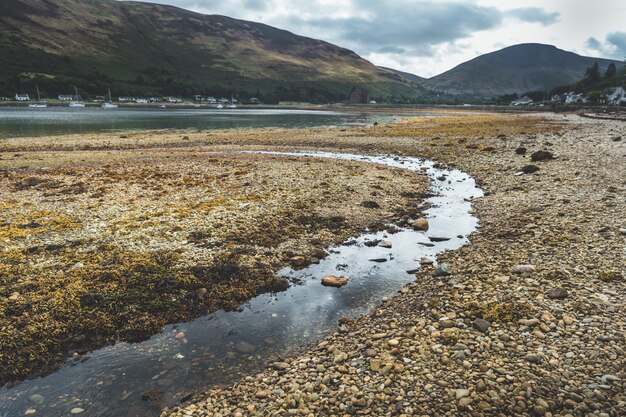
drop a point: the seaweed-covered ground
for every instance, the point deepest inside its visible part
(530, 322)
(106, 238)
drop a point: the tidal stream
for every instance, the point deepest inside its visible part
(136, 379)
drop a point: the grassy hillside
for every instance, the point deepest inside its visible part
(415, 79)
(146, 49)
(516, 69)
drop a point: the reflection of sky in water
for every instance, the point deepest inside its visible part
(25, 121)
(112, 380)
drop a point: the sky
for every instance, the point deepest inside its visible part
(428, 37)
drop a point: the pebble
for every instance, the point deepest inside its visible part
(77, 410)
(334, 281)
(557, 293)
(420, 224)
(523, 269)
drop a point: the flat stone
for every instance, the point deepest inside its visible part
(420, 224)
(481, 325)
(245, 347)
(557, 293)
(461, 393)
(385, 244)
(77, 410)
(262, 394)
(443, 270)
(523, 269)
(334, 281)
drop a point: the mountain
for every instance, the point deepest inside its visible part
(147, 49)
(516, 69)
(415, 79)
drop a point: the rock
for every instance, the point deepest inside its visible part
(533, 358)
(30, 411)
(427, 244)
(461, 393)
(180, 335)
(541, 156)
(245, 347)
(557, 293)
(393, 342)
(262, 394)
(616, 138)
(520, 151)
(201, 292)
(15, 296)
(420, 224)
(529, 169)
(298, 261)
(608, 379)
(385, 244)
(481, 325)
(438, 239)
(443, 270)
(280, 366)
(77, 410)
(370, 204)
(379, 260)
(425, 261)
(523, 269)
(36, 398)
(334, 281)
(464, 402)
(375, 365)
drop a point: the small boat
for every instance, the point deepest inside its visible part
(109, 104)
(79, 101)
(219, 106)
(232, 104)
(39, 104)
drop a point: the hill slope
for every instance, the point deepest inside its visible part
(142, 48)
(515, 69)
(415, 79)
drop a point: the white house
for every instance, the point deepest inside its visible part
(572, 98)
(63, 97)
(617, 95)
(523, 101)
(22, 97)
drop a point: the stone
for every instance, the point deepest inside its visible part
(375, 365)
(36, 398)
(541, 156)
(521, 151)
(245, 347)
(461, 393)
(298, 261)
(77, 410)
(523, 269)
(481, 325)
(616, 138)
(557, 293)
(464, 402)
(201, 292)
(378, 260)
(443, 270)
(420, 224)
(280, 366)
(180, 335)
(533, 358)
(530, 169)
(261, 394)
(334, 281)
(438, 238)
(30, 411)
(385, 244)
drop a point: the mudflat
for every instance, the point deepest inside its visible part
(530, 319)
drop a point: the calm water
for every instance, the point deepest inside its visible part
(24, 121)
(132, 380)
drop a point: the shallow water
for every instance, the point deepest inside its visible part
(220, 347)
(25, 121)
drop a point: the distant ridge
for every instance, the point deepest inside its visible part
(515, 69)
(141, 48)
(416, 79)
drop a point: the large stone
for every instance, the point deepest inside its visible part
(443, 270)
(523, 269)
(245, 347)
(420, 224)
(557, 293)
(334, 281)
(541, 156)
(481, 325)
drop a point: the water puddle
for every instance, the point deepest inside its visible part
(136, 379)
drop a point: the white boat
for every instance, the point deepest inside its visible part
(109, 104)
(79, 100)
(219, 106)
(232, 106)
(39, 104)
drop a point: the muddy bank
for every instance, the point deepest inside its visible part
(109, 245)
(530, 320)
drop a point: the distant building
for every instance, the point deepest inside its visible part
(616, 96)
(63, 97)
(522, 101)
(2, 98)
(124, 99)
(174, 100)
(254, 100)
(141, 101)
(556, 98)
(572, 98)
(372, 101)
(22, 97)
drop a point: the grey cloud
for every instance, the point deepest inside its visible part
(618, 40)
(593, 43)
(534, 15)
(390, 49)
(415, 26)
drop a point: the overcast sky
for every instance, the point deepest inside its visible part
(429, 37)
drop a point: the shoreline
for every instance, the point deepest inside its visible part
(486, 340)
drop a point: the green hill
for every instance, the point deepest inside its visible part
(516, 69)
(148, 49)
